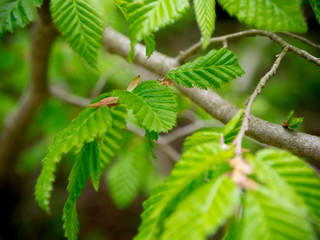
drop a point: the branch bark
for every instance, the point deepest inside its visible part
(301, 144)
(43, 36)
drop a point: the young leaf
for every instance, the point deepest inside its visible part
(206, 16)
(91, 123)
(153, 104)
(126, 176)
(192, 165)
(271, 216)
(81, 24)
(295, 122)
(77, 182)
(229, 133)
(290, 115)
(146, 17)
(150, 45)
(287, 173)
(291, 122)
(212, 70)
(316, 8)
(121, 4)
(94, 162)
(111, 141)
(203, 211)
(151, 136)
(16, 13)
(274, 15)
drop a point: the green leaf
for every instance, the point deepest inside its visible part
(121, 4)
(150, 45)
(231, 130)
(201, 137)
(316, 8)
(111, 141)
(271, 216)
(77, 182)
(295, 122)
(290, 116)
(192, 165)
(94, 165)
(91, 123)
(17, 13)
(206, 16)
(287, 173)
(153, 104)
(146, 17)
(229, 133)
(127, 175)
(212, 70)
(151, 136)
(274, 15)
(203, 211)
(81, 24)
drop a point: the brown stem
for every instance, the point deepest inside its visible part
(250, 33)
(257, 91)
(43, 36)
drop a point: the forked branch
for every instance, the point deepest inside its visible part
(252, 33)
(302, 144)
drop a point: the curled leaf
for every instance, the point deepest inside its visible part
(109, 101)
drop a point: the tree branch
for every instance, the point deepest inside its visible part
(306, 41)
(184, 55)
(43, 36)
(265, 132)
(257, 91)
(68, 97)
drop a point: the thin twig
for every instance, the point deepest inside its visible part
(307, 41)
(186, 130)
(69, 97)
(250, 33)
(257, 91)
(103, 80)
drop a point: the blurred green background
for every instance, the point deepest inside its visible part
(296, 86)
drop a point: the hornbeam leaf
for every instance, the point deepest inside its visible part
(111, 141)
(274, 15)
(203, 211)
(212, 70)
(316, 8)
(77, 182)
(94, 164)
(91, 123)
(287, 173)
(153, 104)
(192, 165)
(150, 45)
(268, 215)
(81, 24)
(146, 17)
(206, 16)
(229, 133)
(16, 13)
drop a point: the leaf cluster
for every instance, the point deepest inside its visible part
(97, 134)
